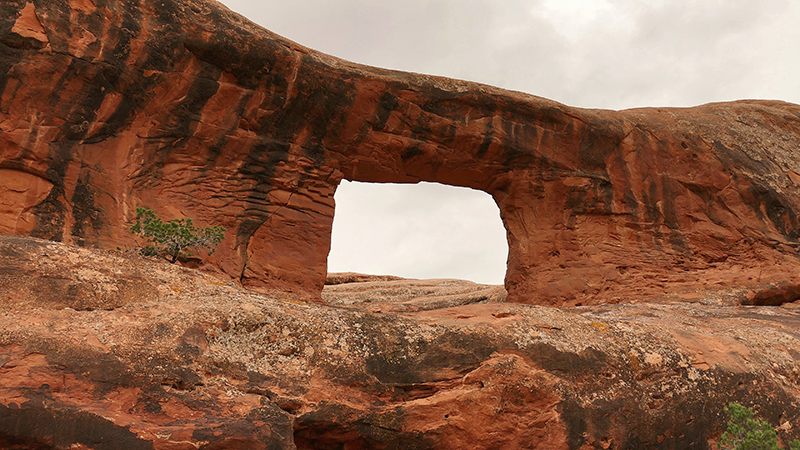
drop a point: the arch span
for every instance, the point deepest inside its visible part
(209, 116)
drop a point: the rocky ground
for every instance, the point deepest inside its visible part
(106, 350)
(394, 294)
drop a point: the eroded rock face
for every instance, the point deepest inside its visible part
(192, 361)
(188, 108)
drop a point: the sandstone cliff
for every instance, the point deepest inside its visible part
(102, 350)
(188, 108)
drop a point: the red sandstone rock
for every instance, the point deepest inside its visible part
(104, 350)
(188, 108)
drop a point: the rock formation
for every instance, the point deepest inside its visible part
(190, 109)
(682, 215)
(103, 350)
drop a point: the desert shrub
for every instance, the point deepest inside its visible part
(746, 432)
(172, 240)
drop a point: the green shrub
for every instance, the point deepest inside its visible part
(171, 240)
(745, 432)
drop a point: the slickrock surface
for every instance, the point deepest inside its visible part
(383, 294)
(188, 108)
(105, 350)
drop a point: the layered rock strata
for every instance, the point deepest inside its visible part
(100, 350)
(190, 109)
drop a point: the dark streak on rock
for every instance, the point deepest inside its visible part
(37, 425)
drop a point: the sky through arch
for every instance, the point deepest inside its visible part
(425, 230)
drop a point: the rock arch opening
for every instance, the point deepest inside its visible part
(424, 230)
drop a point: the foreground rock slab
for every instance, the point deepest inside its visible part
(190, 109)
(103, 350)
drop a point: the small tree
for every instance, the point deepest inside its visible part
(170, 240)
(745, 432)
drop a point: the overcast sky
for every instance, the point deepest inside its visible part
(613, 54)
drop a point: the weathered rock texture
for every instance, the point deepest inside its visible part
(99, 350)
(188, 108)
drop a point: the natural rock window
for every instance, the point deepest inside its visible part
(424, 230)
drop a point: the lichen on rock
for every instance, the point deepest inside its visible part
(192, 360)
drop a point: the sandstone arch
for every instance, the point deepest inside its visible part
(189, 108)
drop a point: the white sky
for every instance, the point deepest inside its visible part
(612, 54)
